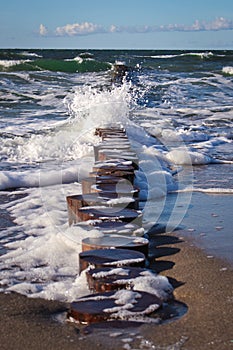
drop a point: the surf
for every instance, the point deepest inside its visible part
(83, 65)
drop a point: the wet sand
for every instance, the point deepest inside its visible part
(202, 282)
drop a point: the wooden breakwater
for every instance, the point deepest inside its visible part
(110, 203)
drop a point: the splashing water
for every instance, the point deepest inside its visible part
(95, 108)
(46, 150)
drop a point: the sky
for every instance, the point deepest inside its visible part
(117, 24)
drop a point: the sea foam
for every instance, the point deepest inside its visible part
(47, 165)
(228, 70)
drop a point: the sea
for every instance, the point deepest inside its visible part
(177, 109)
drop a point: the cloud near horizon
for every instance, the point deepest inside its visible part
(85, 28)
(43, 30)
(88, 28)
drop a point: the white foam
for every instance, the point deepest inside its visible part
(157, 285)
(228, 70)
(193, 136)
(60, 153)
(120, 200)
(147, 282)
(111, 106)
(30, 54)
(119, 63)
(78, 59)
(183, 156)
(198, 54)
(125, 301)
(210, 190)
(44, 177)
(118, 271)
(46, 260)
(124, 262)
(43, 259)
(11, 63)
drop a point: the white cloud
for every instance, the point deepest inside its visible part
(43, 30)
(84, 28)
(219, 23)
(88, 28)
(113, 29)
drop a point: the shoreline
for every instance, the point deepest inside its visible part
(208, 224)
(202, 282)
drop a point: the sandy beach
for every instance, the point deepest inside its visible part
(202, 282)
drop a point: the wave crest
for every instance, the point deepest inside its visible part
(228, 70)
(75, 65)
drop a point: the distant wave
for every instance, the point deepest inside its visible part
(201, 55)
(228, 70)
(211, 190)
(7, 64)
(29, 54)
(80, 64)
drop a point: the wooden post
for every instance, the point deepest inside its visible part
(110, 258)
(116, 241)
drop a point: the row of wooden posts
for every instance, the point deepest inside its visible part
(110, 203)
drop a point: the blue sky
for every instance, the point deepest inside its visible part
(132, 24)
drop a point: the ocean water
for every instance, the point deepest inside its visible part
(177, 108)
